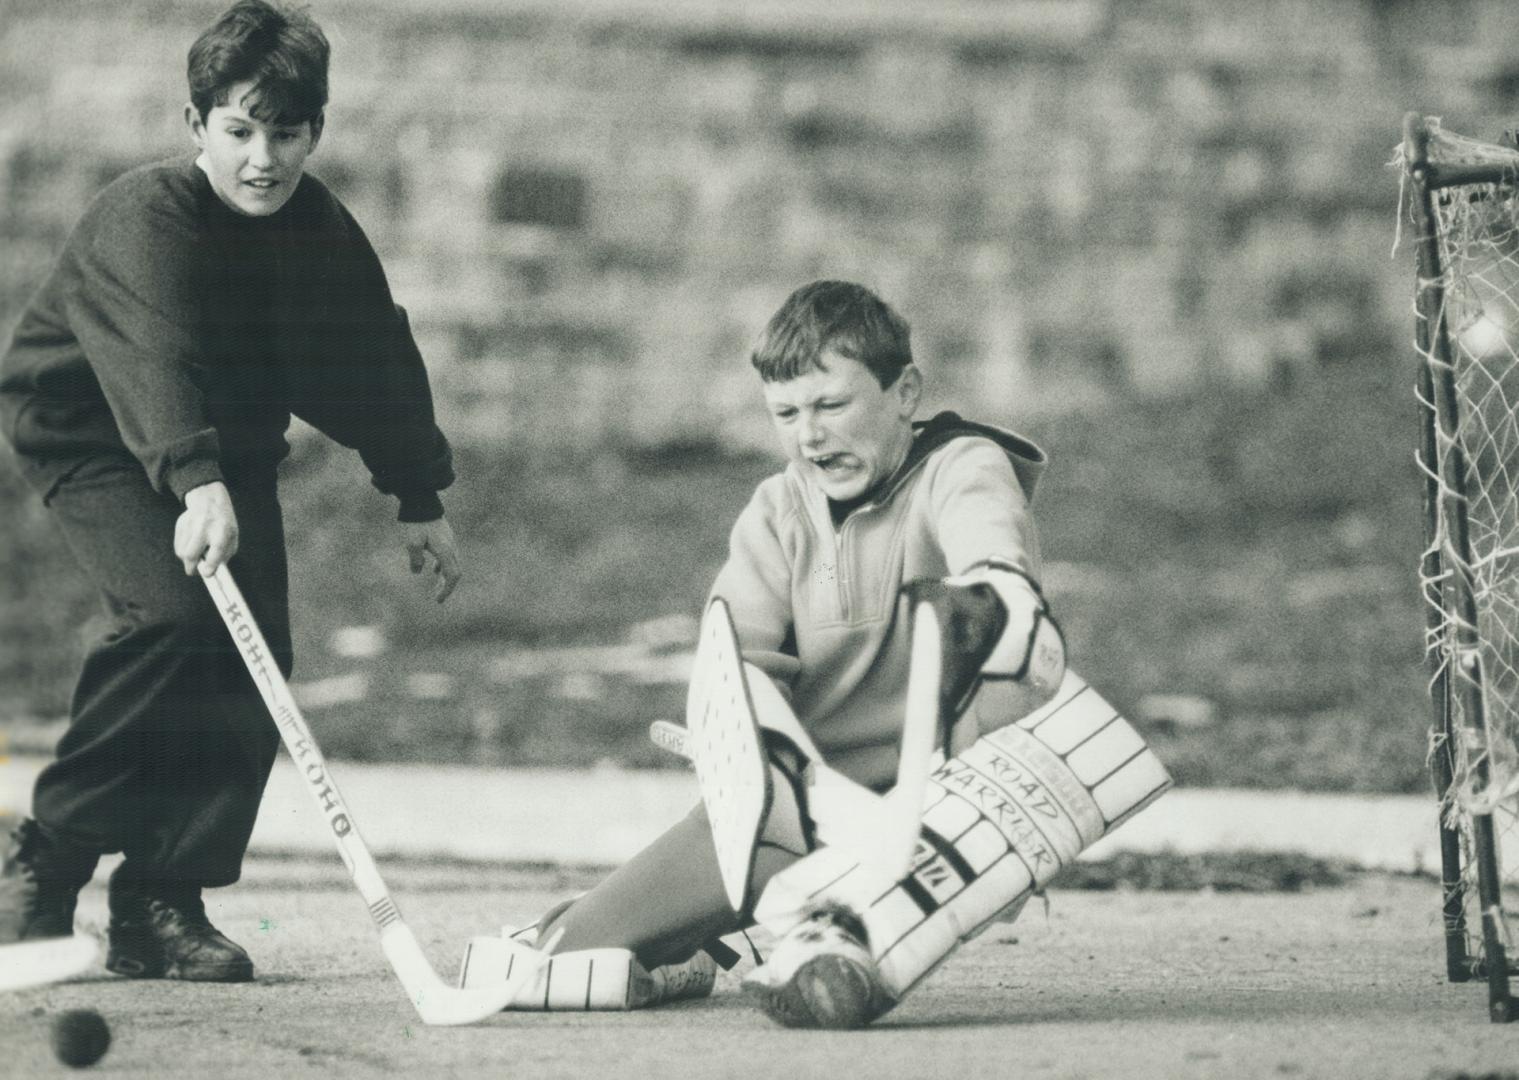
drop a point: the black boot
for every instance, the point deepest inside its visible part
(40, 879)
(159, 930)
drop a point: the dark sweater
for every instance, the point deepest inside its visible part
(187, 334)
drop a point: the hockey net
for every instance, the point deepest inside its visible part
(1468, 336)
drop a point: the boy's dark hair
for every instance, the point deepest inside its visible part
(281, 50)
(839, 315)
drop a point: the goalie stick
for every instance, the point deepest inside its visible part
(947, 660)
(435, 1001)
(920, 725)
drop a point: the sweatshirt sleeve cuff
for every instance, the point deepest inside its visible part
(418, 506)
(193, 474)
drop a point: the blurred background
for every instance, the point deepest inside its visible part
(1157, 236)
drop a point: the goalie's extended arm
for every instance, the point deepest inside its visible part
(989, 623)
(995, 624)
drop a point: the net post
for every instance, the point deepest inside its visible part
(1458, 963)
(1457, 585)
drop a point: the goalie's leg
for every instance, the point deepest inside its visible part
(583, 980)
(646, 935)
(1000, 820)
(665, 903)
(698, 880)
(674, 897)
(990, 627)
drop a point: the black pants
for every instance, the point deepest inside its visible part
(169, 745)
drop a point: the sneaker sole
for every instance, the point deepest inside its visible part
(135, 968)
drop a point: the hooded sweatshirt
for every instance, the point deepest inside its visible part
(814, 599)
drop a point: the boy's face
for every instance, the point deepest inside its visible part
(253, 166)
(840, 425)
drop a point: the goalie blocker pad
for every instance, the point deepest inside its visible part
(731, 765)
(1000, 820)
(732, 709)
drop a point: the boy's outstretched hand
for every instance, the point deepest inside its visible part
(435, 538)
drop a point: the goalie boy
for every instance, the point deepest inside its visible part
(875, 516)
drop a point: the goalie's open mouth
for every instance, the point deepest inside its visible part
(832, 463)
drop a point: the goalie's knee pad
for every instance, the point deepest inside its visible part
(584, 979)
(1000, 820)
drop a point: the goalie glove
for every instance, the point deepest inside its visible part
(995, 625)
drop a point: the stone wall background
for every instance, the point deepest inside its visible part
(590, 207)
(1156, 235)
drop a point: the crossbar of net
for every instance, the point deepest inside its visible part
(1478, 236)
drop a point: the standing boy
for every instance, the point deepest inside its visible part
(874, 513)
(197, 306)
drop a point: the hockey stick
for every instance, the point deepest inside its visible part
(34, 963)
(931, 675)
(436, 1002)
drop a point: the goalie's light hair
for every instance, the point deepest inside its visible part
(281, 50)
(837, 316)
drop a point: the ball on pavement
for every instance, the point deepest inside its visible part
(80, 1037)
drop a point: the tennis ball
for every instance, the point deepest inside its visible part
(80, 1037)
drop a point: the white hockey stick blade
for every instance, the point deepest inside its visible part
(436, 1002)
(49, 960)
(903, 822)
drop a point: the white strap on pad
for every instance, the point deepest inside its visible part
(842, 812)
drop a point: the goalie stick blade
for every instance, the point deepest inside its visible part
(36, 963)
(437, 1003)
(920, 725)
